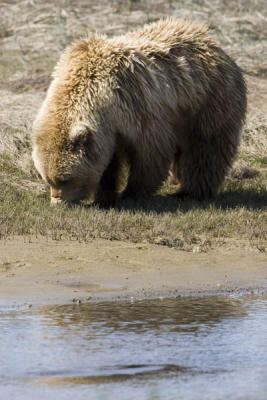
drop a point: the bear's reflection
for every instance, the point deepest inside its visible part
(181, 315)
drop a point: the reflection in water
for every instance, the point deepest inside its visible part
(123, 373)
(197, 348)
(182, 315)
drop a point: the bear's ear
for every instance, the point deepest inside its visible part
(79, 130)
(80, 134)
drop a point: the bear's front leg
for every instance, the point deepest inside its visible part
(107, 192)
(146, 175)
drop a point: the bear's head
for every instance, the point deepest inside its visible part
(71, 159)
(68, 164)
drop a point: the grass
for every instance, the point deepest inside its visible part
(236, 215)
(32, 36)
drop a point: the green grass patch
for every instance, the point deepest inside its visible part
(238, 215)
(254, 159)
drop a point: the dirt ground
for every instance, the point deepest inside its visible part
(42, 271)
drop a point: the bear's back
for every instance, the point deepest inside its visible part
(162, 36)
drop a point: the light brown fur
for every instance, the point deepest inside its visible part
(164, 95)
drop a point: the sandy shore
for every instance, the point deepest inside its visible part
(43, 271)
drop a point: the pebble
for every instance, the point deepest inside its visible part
(78, 301)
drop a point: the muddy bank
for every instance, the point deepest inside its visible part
(42, 271)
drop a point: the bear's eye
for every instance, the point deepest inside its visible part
(57, 182)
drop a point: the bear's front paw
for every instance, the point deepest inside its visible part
(106, 201)
(180, 194)
(105, 205)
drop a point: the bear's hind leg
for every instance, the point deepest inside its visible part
(213, 138)
(201, 169)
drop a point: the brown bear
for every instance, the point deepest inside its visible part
(165, 95)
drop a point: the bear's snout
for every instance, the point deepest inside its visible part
(63, 196)
(55, 201)
(56, 196)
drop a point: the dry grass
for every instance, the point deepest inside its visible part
(32, 35)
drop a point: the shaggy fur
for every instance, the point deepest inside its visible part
(163, 96)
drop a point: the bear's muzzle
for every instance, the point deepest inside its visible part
(55, 201)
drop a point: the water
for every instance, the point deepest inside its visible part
(188, 348)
